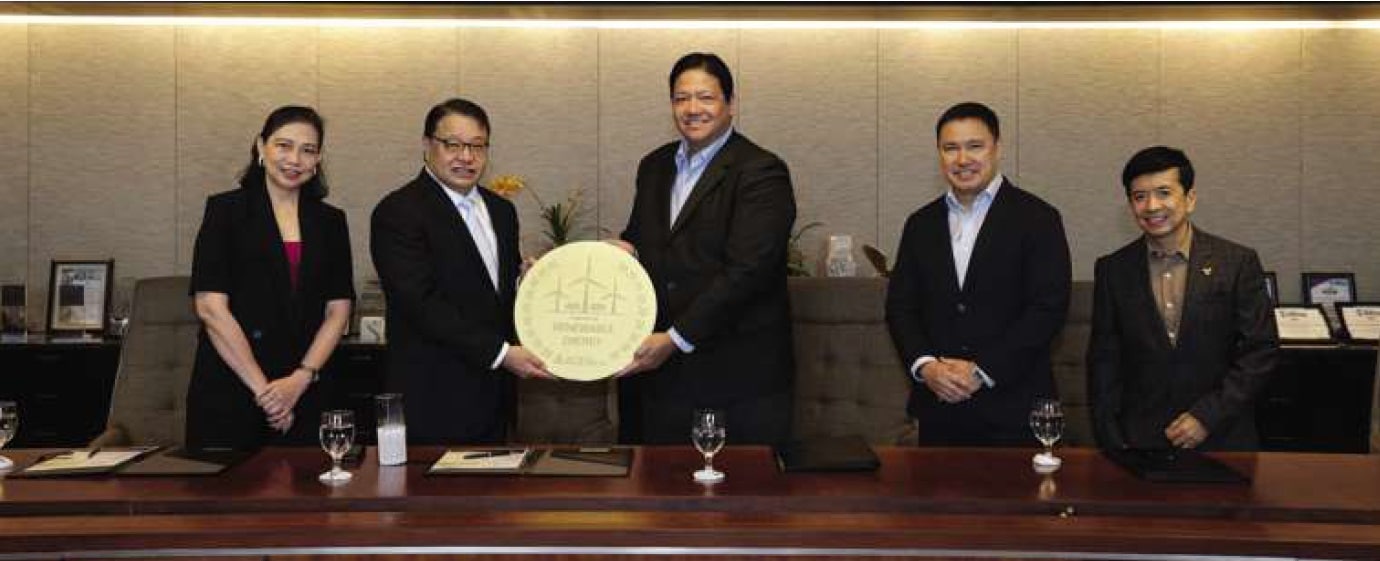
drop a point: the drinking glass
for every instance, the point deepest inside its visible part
(708, 432)
(9, 424)
(1047, 421)
(337, 435)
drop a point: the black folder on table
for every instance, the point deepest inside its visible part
(184, 461)
(1174, 465)
(843, 453)
(610, 461)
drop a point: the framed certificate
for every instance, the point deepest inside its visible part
(1302, 324)
(1329, 289)
(79, 296)
(1361, 320)
(12, 309)
(1272, 287)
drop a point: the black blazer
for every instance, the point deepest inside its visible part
(239, 252)
(1004, 318)
(446, 320)
(1138, 383)
(720, 270)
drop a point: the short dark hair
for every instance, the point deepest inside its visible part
(253, 174)
(455, 106)
(1156, 159)
(970, 110)
(708, 62)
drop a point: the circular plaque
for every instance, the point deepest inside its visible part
(584, 308)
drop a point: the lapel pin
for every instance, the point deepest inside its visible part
(1207, 271)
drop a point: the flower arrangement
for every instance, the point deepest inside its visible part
(559, 217)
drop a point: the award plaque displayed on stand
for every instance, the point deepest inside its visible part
(584, 308)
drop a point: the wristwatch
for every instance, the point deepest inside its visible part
(315, 374)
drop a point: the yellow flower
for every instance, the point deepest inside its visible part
(508, 185)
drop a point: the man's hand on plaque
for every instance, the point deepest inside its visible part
(522, 363)
(525, 266)
(623, 245)
(654, 351)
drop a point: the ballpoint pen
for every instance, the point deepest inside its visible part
(92, 452)
(489, 454)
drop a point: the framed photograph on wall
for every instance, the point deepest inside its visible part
(1272, 287)
(79, 296)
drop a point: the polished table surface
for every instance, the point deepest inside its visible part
(923, 501)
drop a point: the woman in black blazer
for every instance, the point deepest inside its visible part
(273, 284)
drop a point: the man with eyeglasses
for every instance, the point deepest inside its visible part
(710, 222)
(446, 252)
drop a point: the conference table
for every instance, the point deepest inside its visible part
(923, 502)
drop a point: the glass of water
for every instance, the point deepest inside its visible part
(1047, 421)
(337, 435)
(9, 424)
(708, 430)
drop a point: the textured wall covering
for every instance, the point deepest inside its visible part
(825, 128)
(102, 151)
(14, 153)
(111, 137)
(921, 74)
(541, 90)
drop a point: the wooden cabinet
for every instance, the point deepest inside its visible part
(62, 389)
(1318, 400)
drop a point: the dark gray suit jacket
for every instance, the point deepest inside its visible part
(1138, 383)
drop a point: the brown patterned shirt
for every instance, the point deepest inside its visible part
(1168, 277)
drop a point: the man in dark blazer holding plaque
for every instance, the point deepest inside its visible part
(710, 222)
(980, 289)
(446, 251)
(1183, 337)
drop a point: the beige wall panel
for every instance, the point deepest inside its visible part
(540, 88)
(922, 73)
(635, 107)
(1089, 99)
(1341, 72)
(14, 153)
(376, 85)
(1231, 100)
(102, 181)
(228, 80)
(1340, 231)
(810, 96)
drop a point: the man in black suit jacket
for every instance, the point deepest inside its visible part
(980, 289)
(1183, 339)
(711, 222)
(446, 252)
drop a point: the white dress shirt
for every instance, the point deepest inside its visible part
(964, 226)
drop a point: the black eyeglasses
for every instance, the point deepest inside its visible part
(452, 146)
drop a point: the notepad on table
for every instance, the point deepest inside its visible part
(85, 462)
(500, 460)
